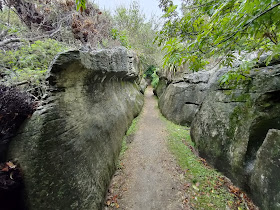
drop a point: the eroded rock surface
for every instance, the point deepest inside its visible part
(180, 100)
(143, 85)
(161, 87)
(231, 125)
(265, 177)
(68, 148)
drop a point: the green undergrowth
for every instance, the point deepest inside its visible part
(207, 189)
(129, 133)
(133, 127)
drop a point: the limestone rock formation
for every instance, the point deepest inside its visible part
(162, 85)
(231, 126)
(180, 100)
(143, 85)
(264, 181)
(69, 147)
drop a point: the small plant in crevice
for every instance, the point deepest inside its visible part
(126, 140)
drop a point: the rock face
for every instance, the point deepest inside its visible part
(230, 130)
(231, 126)
(265, 177)
(161, 87)
(69, 147)
(180, 100)
(143, 85)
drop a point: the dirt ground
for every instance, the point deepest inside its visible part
(149, 177)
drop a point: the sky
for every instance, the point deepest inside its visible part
(148, 6)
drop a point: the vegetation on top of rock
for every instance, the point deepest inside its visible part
(28, 64)
(32, 32)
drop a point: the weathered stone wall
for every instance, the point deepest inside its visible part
(264, 181)
(143, 85)
(162, 85)
(180, 100)
(231, 127)
(69, 147)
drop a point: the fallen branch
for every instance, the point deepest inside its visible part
(21, 83)
(12, 40)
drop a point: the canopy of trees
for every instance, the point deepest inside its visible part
(197, 33)
(134, 31)
(221, 29)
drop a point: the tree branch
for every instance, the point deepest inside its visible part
(21, 83)
(12, 40)
(201, 5)
(263, 13)
(248, 23)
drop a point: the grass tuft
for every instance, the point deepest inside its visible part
(133, 128)
(131, 131)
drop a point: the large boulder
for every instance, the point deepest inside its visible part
(232, 123)
(143, 85)
(161, 87)
(264, 181)
(180, 100)
(69, 147)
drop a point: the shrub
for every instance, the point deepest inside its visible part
(30, 62)
(155, 79)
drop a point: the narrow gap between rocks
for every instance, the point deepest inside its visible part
(150, 177)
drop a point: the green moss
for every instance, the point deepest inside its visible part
(228, 92)
(205, 188)
(243, 97)
(124, 148)
(240, 114)
(133, 128)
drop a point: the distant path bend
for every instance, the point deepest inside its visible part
(149, 178)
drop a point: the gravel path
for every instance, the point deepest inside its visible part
(149, 178)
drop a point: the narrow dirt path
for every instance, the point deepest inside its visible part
(149, 178)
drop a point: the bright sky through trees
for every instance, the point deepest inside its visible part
(148, 6)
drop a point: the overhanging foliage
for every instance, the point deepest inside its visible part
(223, 29)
